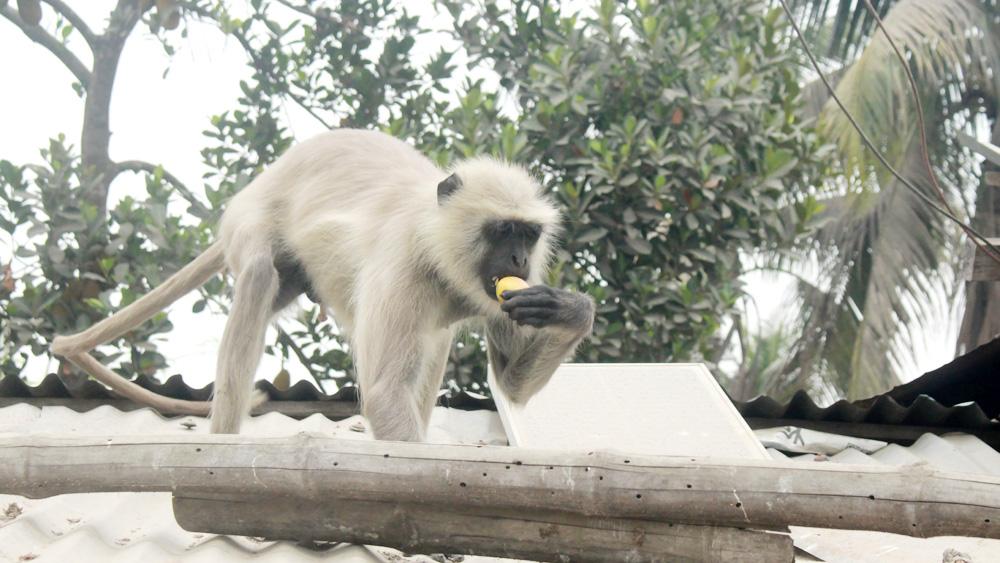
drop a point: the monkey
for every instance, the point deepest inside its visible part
(401, 253)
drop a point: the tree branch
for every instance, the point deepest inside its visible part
(38, 35)
(123, 18)
(287, 341)
(143, 166)
(244, 42)
(74, 19)
(320, 14)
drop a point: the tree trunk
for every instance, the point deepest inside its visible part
(463, 528)
(94, 143)
(98, 169)
(498, 482)
(981, 320)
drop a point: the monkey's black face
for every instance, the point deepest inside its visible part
(509, 246)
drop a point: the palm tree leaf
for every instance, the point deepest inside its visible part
(850, 25)
(880, 247)
(880, 251)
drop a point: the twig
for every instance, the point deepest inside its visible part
(142, 166)
(287, 341)
(300, 9)
(320, 14)
(244, 42)
(38, 35)
(73, 18)
(123, 18)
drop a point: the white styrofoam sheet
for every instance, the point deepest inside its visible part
(655, 409)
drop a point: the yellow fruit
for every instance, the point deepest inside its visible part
(509, 283)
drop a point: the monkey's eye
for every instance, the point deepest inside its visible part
(499, 229)
(511, 229)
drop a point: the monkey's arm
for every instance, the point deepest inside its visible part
(540, 326)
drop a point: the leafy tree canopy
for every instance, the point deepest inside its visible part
(668, 131)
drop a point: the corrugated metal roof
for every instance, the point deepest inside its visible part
(89, 392)
(954, 453)
(974, 376)
(924, 411)
(136, 527)
(51, 386)
(140, 527)
(957, 453)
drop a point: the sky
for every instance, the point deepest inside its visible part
(160, 117)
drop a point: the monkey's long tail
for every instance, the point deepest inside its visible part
(76, 347)
(192, 276)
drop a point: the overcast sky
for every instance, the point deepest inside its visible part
(160, 119)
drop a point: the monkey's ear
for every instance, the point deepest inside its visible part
(448, 186)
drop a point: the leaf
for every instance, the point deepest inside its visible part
(56, 254)
(628, 179)
(640, 246)
(669, 95)
(778, 162)
(282, 380)
(649, 24)
(591, 235)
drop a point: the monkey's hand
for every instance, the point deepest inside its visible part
(542, 306)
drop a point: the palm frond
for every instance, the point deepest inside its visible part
(947, 41)
(881, 248)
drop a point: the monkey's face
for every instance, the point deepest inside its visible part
(491, 221)
(509, 246)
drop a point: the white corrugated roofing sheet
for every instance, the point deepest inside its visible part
(140, 527)
(953, 453)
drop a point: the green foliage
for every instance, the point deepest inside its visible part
(667, 132)
(76, 267)
(669, 135)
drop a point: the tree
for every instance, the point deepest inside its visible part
(80, 256)
(669, 134)
(73, 261)
(885, 258)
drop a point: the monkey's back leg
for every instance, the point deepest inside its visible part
(254, 298)
(400, 361)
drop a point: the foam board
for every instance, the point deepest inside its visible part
(656, 409)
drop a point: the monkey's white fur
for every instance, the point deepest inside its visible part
(360, 212)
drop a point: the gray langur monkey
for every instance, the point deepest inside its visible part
(400, 252)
